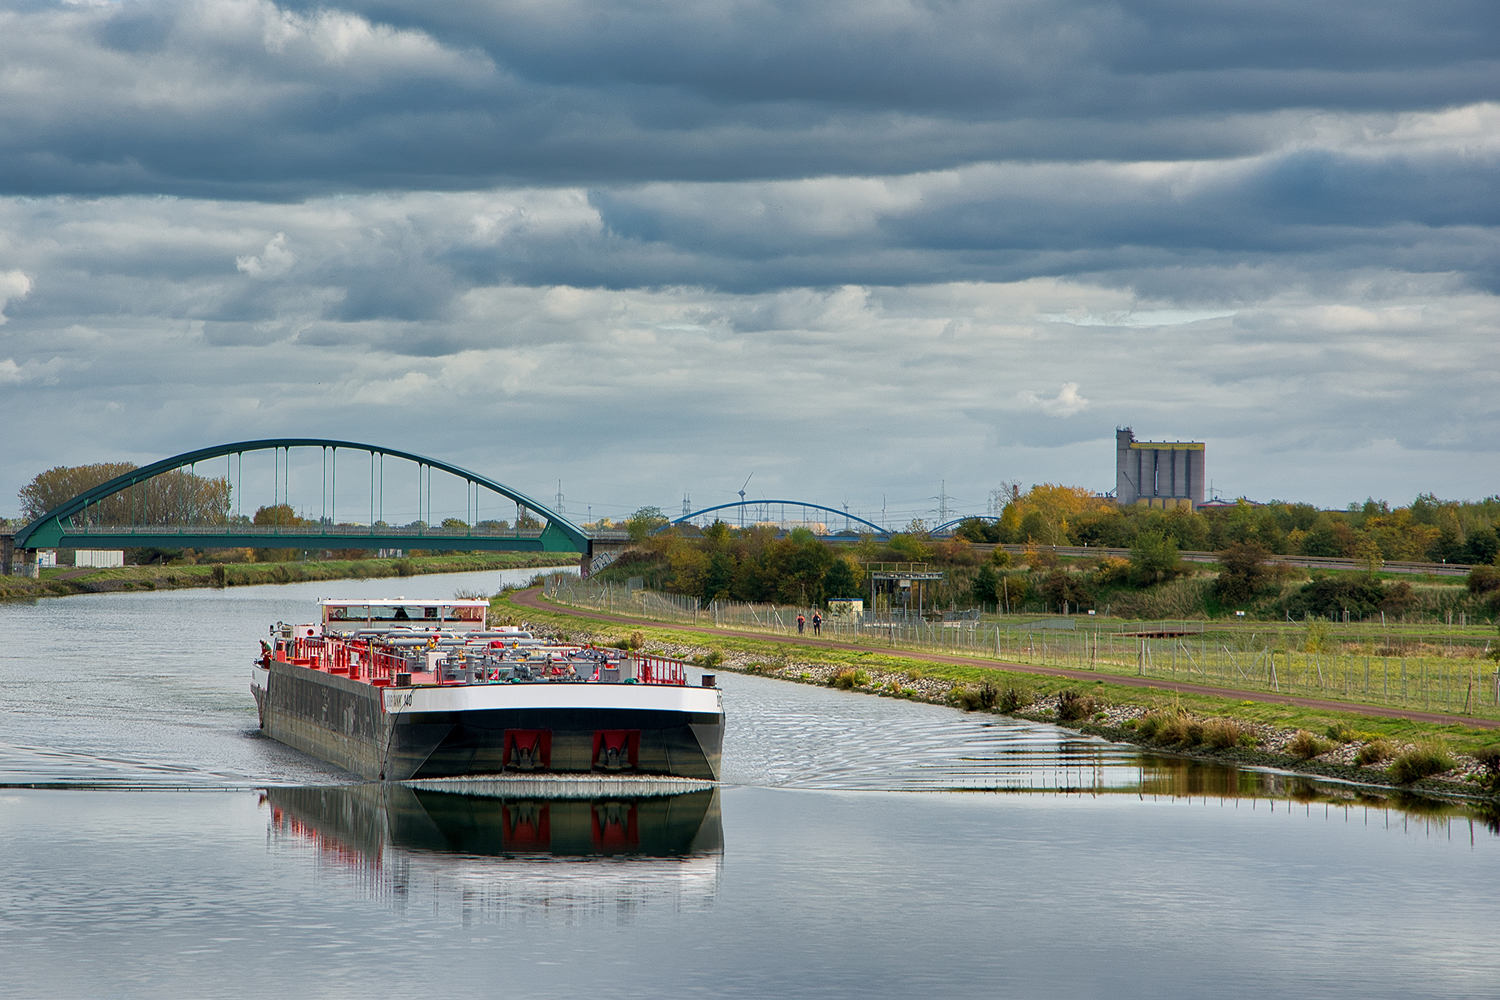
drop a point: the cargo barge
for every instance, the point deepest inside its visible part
(398, 689)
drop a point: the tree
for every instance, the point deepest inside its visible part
(643, 522)
(58, 485)
(719, 576)
(717, 534)
(910, 548)
(986, 584)
(175, 497)
(1054, 506)
(1153, 559)
(1483, 545)
(279, 516)
(976, 529)
(1243, 571)
(840, 580)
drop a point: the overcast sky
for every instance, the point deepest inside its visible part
(859, 249)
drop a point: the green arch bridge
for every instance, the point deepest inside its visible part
(78, 523)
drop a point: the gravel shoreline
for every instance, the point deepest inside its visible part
(1114, 722)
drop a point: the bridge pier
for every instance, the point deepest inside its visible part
(7, 551)
(602, 552)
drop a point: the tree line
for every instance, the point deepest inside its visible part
(1428, 529)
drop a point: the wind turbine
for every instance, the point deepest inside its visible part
(742, 497)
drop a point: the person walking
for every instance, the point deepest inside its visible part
(817, 623)
(800, 622)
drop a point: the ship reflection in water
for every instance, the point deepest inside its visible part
(507, 849)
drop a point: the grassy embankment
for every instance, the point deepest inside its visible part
(63, 582)
(895, 675)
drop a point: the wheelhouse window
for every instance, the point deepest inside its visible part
(401, 612)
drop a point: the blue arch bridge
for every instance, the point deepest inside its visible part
(188, 501)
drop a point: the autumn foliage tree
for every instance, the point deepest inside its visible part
(175, 497)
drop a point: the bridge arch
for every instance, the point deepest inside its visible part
(960, 520)
(56, 529)
(743, 504)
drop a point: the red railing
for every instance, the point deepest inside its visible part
(385, 666)
(359, 662)
(657, 670)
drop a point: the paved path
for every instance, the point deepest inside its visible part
(533, 599)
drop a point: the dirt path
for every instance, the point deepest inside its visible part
(533, 599)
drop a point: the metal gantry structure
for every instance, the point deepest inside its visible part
(70, 525)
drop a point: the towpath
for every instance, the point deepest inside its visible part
(533, 599)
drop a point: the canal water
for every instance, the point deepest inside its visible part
(156, 846)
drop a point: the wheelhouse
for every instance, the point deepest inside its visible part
(454, 615)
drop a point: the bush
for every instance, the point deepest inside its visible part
(219, 575)
(1073, 705)
(1489, 767)
(1307, 746)
(1172, 728)
(849, 678)
(1342, 732)
(1330, 597)
(1374, 752)
(1484, 579)
(1152, 723)
(984, 697)
(637, 640)
(1014, 698)
(1112, 571)
(1059, 587)
(1420, 762)
(1227, 733)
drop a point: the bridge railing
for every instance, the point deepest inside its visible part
(299, 531)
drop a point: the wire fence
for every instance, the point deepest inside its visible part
(1397, 672)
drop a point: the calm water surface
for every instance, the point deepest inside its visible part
(859, 847)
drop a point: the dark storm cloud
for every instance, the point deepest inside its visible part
(242, 98)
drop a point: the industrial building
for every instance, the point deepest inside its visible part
(1165, 474)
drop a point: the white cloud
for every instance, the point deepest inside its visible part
(13, 285)
(274, 261)
(1066, 403)
(1140, 319)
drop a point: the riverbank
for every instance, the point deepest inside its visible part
(177, 576)
(1248, 728)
